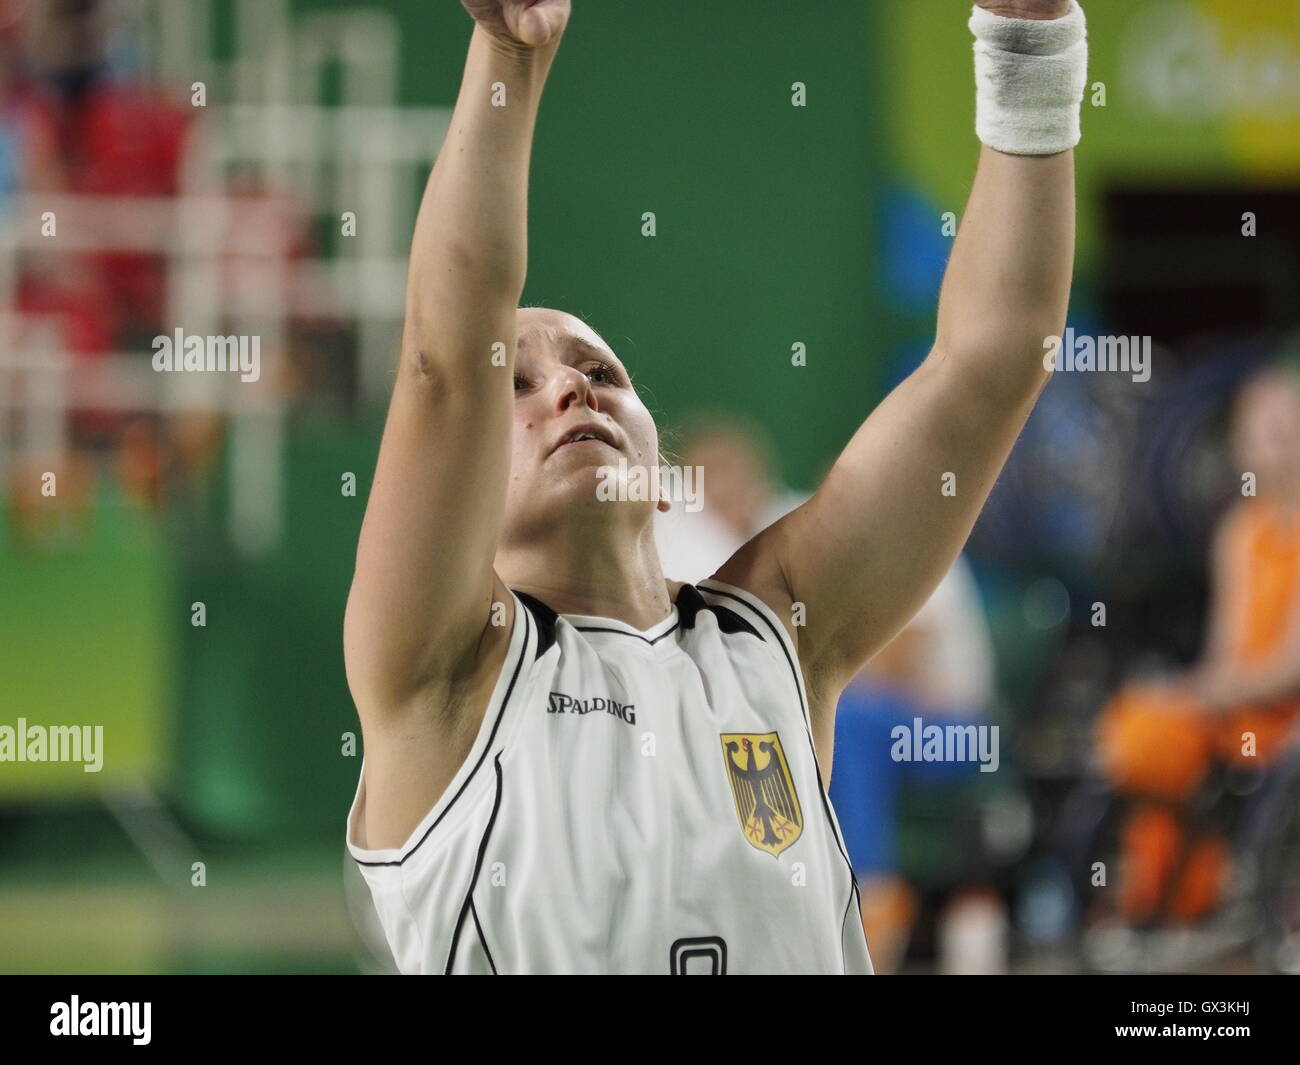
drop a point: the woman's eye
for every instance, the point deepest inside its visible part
(520, 382)
(604, 373)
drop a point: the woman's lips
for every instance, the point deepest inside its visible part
(580, 443)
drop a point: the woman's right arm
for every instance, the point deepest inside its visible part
(423, 585)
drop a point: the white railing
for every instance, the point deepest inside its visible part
(228, 264)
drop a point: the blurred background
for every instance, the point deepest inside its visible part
(252, 167)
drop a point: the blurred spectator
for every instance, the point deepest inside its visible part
(79, 131)
(71, 126)
(1238, 705)
(109, 138)
(26, 152)
(740, 492)
(939, 666)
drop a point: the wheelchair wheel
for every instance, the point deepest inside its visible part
(1278, 892)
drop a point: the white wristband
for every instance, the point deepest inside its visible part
(1030, 76)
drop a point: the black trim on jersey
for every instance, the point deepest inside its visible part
(545, 618)
(481, 938)
(821, 790)
(551, 615)
(468, 905)
(501, 711)
(690, 602)
(634, 635)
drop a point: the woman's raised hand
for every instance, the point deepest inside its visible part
(521, 23)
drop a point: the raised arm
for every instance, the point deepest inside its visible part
(900, 501)
(867, 549)
(423, 585)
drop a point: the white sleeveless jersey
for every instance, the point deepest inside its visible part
(635, 802)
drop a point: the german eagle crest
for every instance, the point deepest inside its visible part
(766, 801)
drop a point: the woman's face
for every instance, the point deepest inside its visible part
(1267, 432)
(567, 379)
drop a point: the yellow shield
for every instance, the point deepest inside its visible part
(766, 801)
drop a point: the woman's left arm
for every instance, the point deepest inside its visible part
(864, 553)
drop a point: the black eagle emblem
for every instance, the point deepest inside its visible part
(766, 801)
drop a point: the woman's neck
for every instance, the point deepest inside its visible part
(596, 577)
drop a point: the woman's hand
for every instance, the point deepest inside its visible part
(521, 23)
(1218, 688)
(1026, 8)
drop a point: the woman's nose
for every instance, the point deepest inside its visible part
(572, 387)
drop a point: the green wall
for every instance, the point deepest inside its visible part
(86, 639)
(764, 210)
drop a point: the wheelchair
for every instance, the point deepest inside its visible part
(1256, 813)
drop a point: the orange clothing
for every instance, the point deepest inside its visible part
(1151, 842)
(1157, 742)
(1263, 559)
